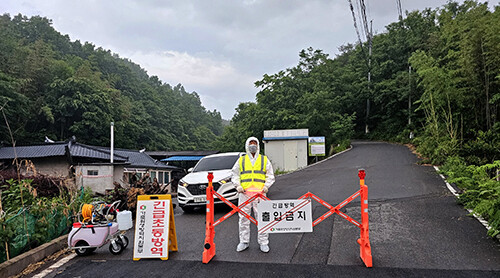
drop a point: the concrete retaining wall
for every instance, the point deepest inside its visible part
(17, 264)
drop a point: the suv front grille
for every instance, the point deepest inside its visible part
(201, 188)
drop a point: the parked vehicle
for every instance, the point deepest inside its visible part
(191, 192)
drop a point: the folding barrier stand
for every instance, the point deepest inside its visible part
(209, 251)
(365, 252)
(209, 246)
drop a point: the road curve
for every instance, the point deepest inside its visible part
(416, 229)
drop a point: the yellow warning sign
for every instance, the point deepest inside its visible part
(154, 227)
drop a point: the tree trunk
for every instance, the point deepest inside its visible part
(486, 87)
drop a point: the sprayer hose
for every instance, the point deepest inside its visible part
(87, 212)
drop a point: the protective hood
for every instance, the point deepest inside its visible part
(247, 143)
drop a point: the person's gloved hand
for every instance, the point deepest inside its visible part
(265, 189)
(240, 189)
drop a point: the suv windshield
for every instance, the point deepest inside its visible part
(216, 163)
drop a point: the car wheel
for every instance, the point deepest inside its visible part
(187, 208)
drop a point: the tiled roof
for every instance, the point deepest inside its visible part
(134, 158)
(81, 150)
(139, 159)
(23, 152)
(187, 153)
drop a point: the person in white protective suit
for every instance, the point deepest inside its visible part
(252, 173)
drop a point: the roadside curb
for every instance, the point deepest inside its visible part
(17, 264)
(310, 165)
(455, 193)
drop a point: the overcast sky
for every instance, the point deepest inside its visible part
(213, 47)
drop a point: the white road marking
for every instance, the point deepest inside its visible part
(454, 192)
(55, 266)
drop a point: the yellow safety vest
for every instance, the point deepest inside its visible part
(253, 177)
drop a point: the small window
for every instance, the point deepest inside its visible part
(92, 172)
(160, 177)
(153, 175)
(167, 177)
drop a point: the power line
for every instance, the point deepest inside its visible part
(355, 23)
(400, 10)
(369, 76)
(364, 19)
(369, 35)
(357, 32)
(358, 11)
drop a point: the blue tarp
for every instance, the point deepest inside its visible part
(285, 138)
(184, 158)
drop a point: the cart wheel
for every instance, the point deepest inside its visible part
(124, 240)
(83, 251)
(119, 247)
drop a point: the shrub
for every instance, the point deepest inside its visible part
(481, 188)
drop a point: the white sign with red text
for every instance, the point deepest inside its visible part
(284, 216)
(152, 229)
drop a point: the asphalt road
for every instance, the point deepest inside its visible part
(417, 229)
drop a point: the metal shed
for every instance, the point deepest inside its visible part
(287, 149)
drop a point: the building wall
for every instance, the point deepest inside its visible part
(275, 152)
(55, 167)
(287, 155)
(99, 181)
(302, 153)
(119, 176)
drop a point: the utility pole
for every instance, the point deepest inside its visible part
(409, 96)
(112, 147)
(369, 35)
(367, 130)
(400, 10)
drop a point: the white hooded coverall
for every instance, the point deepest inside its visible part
(244, 223)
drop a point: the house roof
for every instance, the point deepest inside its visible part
(187, 153)
(181, 153)
(56, 149)
(135, 159)
(86, 151)
(139, 159)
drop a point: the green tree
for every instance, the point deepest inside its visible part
(57, 88)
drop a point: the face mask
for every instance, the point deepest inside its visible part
(252, 148)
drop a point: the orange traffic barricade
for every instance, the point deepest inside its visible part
(363, 241)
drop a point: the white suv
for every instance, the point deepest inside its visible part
(191, 192)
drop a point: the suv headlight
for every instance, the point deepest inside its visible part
(183, 183)
(226, 180)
